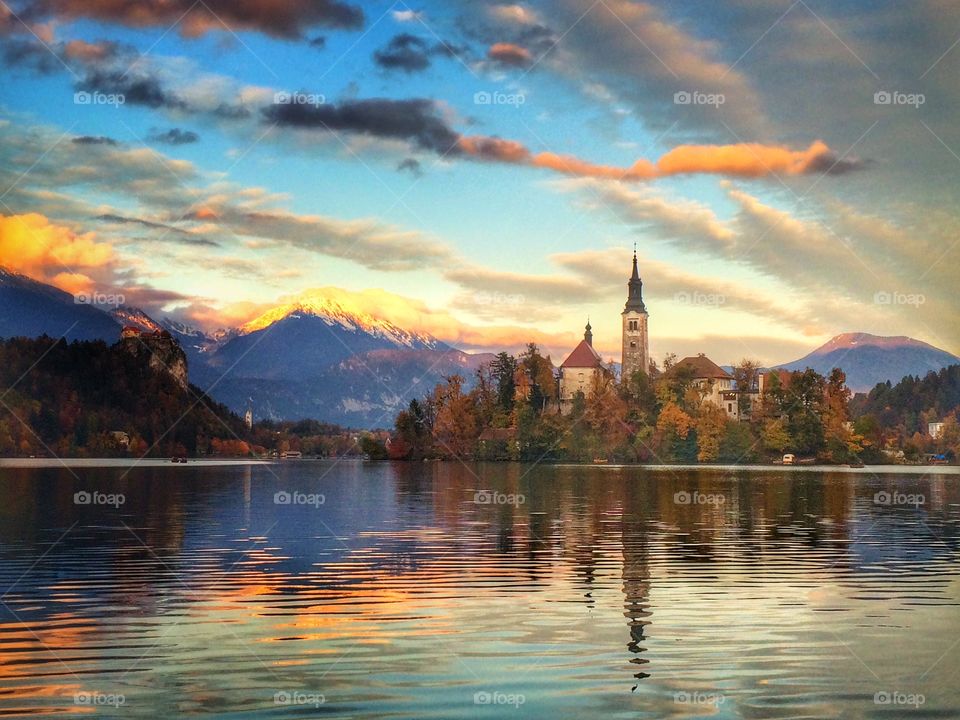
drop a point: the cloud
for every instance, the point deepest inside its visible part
(752, 160)
(406, 15)
(673, 218)
(411, 165)
(94, 140)
(34, 246)
(278, 18)
(514, 14)
(179, 234)
(136, 87)
(174, 136)
(367, 242)
(405, 52)
(508, 55)
(420, 122)
(415, 120)
(742, 160)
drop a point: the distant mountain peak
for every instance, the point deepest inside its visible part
(347, 310)
(127, 315)
(870, 359)
(862, 339)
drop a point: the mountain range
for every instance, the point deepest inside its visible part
(321, 356)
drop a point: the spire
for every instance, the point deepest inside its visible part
(588, 333)
(635, 288)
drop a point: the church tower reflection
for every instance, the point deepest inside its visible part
(636, 575)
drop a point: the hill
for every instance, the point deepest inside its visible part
(30, 309)
(69, 399)
(870, 359)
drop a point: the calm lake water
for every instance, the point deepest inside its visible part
(443, 590)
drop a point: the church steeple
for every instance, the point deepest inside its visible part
(588, 333)
(636, 354)
(635, 289)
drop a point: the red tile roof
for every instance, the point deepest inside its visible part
(702, 367)
(583, 356)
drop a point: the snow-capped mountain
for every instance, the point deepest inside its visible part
(304, 337)
(337, 308)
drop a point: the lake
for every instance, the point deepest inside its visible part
(449, 590)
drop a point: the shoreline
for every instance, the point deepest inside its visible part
(652, 467)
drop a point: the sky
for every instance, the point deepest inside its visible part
(787, 170)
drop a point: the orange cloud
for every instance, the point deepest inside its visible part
(741, 160)
(32, 245)
(509, 54)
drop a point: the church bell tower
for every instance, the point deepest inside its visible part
(636, 355)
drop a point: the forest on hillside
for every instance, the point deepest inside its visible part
(90, 399)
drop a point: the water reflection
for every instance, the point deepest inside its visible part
(411, 587)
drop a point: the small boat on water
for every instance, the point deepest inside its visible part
(600, 461)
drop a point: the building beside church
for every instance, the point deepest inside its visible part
(578, 370)
(636, 351)
(714, 384)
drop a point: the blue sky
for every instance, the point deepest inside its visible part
(785, 202)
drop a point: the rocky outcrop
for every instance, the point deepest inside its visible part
(161, 352)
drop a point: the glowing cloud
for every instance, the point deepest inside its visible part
(32, 245)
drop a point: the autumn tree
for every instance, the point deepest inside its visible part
(455, 426)
(537, 370)
(710, 425)
(606, 412)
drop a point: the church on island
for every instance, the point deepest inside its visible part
(581, 367)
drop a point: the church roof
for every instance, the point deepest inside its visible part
(702, 367)
(583, 356)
